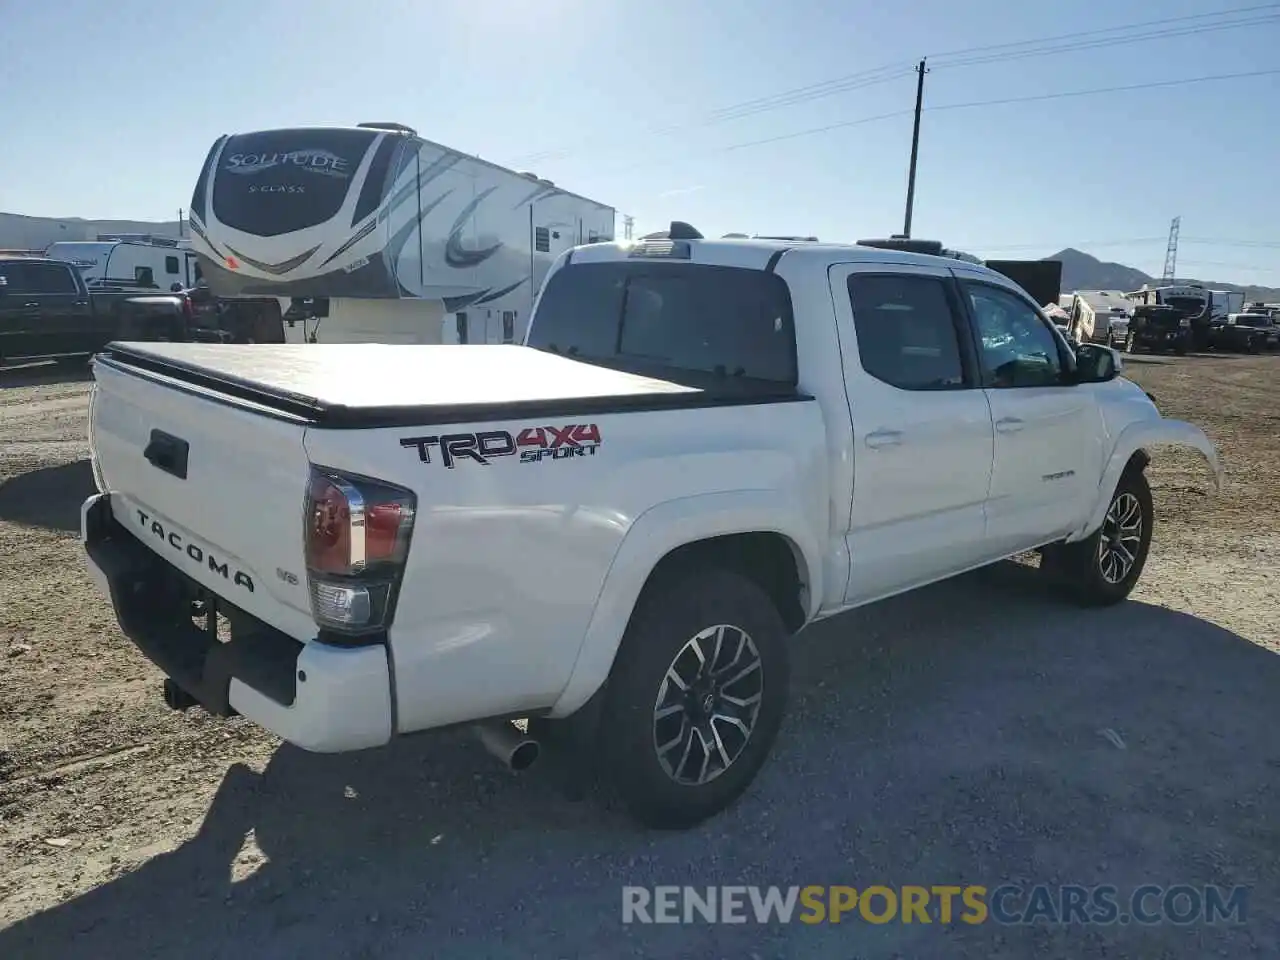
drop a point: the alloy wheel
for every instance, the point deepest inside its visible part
(1121, 538)
(708, 704)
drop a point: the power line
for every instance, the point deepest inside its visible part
(1078, 244)
(1034, 98)
(1189, 31)
(1254, 244)
(977, 55)
(1233, 266)
(1102, 30)
(650, 163)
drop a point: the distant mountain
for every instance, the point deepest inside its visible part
(36, 233)
(1080, 271)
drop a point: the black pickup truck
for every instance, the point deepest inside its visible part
(46, 311)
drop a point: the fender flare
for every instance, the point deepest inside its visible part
(654, 534)
(1142, 436)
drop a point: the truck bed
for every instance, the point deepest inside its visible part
(366, 385)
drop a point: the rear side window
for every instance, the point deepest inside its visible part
(727, 321)
(16, 276)
(906, 331)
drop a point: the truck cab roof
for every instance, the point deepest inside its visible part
(763, 253)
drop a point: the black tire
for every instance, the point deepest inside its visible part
(1180, 349)
(1085, 569)
(670, 616)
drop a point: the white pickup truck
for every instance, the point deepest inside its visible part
(703, 446)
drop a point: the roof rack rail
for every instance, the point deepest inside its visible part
(767, 236)
(147, 238)
(388, 125)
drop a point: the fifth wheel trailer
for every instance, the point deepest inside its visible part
(378, 235)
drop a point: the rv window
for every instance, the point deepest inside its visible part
(508, 326)
(542, 240)
(199, 274)
(144, 277)
(593, 237)
(726, 321)
(171, 265)
(462, 327)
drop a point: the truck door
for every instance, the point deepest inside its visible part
(21, 333)
(1048, 454)
(922, 433)
(65, 311)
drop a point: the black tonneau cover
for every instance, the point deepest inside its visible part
(370, 385)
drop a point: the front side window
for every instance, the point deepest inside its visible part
(906, 331)
(50, 278)
(1017, 347)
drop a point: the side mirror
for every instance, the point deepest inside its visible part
(1096, 363)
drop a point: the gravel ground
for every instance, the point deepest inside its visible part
(977, 732)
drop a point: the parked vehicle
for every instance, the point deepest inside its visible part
(1191, 301)
(1223, 303)
(136, 264)
(1101, 316)
(1247, 333)
(615, 528)
(1158, 328)
(46, 311)
(405, 240)
(236, 320)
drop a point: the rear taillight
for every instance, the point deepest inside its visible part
(357, 540)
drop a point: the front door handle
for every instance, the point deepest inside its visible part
(31, 306)
(884, 438)
(1009, 425)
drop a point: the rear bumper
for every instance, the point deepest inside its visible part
(317, 696)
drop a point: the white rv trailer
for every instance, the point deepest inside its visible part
(1223, 303)
(390, 237)
(141, 263)
(1100, 316)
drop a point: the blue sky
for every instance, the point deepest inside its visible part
(111, 106)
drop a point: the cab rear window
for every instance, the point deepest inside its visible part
(725, 321)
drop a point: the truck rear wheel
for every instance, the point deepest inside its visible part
(695, 697)
(1104, 568)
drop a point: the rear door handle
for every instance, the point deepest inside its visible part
(1009, 425)
(168, 453)
(32, 306)
(878, 439)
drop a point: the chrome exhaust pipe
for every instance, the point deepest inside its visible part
(511, 745)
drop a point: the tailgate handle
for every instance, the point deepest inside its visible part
(167, 452)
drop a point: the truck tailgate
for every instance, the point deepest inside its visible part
(215, 489)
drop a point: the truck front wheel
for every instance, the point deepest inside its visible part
(695, 697)
(1104, 568)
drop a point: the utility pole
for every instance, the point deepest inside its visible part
(915, 149)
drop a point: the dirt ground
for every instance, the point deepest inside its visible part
(979, 731)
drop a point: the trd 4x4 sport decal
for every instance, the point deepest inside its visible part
(533, 444)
